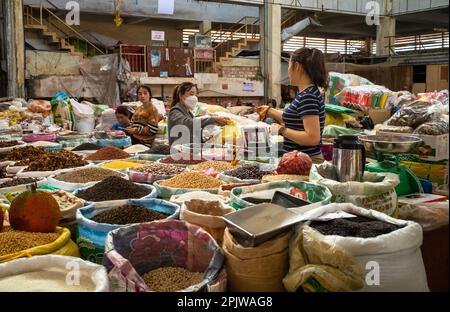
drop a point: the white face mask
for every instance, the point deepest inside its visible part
(191, 102)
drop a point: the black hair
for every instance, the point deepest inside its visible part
(273, 102)
(313, 63)
(181, 89)
(146, 88)
(124, 110)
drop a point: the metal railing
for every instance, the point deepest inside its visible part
(136, 55)
(242, 31)
(54, 23)
(417, 43)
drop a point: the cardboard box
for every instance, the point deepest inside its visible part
(436, 147)
(379, 116)
(419, 88)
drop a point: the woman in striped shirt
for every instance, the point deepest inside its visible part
(144, 124)
(302, 123)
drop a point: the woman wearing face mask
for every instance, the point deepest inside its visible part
(302, 123)
(181, 120)
(145, 120)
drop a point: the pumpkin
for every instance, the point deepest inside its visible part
(34, 211)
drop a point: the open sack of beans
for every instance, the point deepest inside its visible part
(208, 215)
(113, 190)
(167, 255)
(154, 172)
(243, 197)
(376, 192)
(248, 173)
(20, 244)
(52, 273)
(187, 182)
(78, 178)
(94, 223)
(347, 248)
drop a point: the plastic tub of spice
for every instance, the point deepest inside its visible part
(187, 182)
(94, 223)
(80, 178)
(114, 190)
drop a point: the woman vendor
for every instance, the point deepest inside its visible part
(123, 116)
(302, 123)
(181, 120)
(145, 120)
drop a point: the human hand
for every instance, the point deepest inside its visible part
(130, 130)
(262, 111)
(275, 129)
(221, 121)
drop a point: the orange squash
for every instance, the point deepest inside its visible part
(34, 211)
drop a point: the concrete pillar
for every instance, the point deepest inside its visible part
(386, 29)
(271, 57)
(385, 35)
(15, 51)
(205, 27)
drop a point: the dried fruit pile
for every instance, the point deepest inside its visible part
(54, 161)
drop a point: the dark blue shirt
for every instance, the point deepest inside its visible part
(307, 103)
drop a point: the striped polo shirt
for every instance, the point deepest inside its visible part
(307, 103)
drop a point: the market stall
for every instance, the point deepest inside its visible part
(226, 215)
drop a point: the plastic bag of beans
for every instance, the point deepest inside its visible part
(135, 251)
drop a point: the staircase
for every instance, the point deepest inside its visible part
(57, 34)
(237, 38)
(243, 34)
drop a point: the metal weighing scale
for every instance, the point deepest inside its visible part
(388, 148)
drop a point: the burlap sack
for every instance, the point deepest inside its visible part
(208, 215)
(256, 269)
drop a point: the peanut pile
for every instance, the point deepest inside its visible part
(170, 279)
(192, 180)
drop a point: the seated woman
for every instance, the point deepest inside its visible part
(181, 120)
(145, 120)
(123, 116)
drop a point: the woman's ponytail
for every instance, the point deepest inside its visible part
(313, 63)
